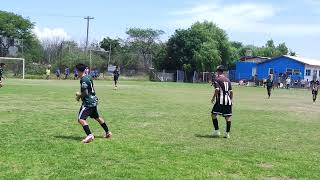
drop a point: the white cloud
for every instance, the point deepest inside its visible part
(51, 34)
(245, 17)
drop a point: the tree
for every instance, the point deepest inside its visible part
(108, 42)
(13, 26)
(283, 49)
(142, 40)
(201, 47)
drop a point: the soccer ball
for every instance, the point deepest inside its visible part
(78, 93)
(115, 88)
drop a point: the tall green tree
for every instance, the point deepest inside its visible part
(142, 40)
(13, 26)
(201, 47)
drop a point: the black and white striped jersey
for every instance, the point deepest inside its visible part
(223, 85)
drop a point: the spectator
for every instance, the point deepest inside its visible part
(66, 72)
(288, 82)
(75, 73)
(48, 72)
(58, 73)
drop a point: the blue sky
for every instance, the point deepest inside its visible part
(296, 22)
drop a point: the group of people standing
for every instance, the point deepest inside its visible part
(93, 74)
(66, 73)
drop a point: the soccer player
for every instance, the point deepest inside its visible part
(116, 75)
(222, 100)
(89, 105)
(2, 65)
(48, 72)
(269, 84)
(315, 89)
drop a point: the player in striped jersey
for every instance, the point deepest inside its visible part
(222, 100)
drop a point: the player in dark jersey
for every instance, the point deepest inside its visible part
(89, 105)
(315, 89)
(2, 65)
(116, 75)
(222, 100)
(269, 84)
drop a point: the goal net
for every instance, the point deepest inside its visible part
(15, 67)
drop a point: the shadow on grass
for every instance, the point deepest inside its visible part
(71, 137)
(75, 138)
(204, 136)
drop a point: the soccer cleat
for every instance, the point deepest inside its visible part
(216, 133)
(108, 135)
(226, 135)
(88, 139)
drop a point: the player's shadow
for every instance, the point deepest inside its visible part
(71, 137)
(205, 136)
(74, 138)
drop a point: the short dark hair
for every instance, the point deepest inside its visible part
(221, 68)
(2, 64)
(81, 67)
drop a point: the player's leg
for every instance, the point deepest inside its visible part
(269, 92)
(102, 123)
(115, 82)
(83, 115)
(228, 126)
(227, 113)
(214, 117)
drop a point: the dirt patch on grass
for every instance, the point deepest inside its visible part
(278, 178)
(266, 166)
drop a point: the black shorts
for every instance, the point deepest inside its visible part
(58, 75)
(223, 110)
(115, 78)
(314, 92)
(86, 112)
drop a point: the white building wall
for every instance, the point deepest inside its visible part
(313, 69)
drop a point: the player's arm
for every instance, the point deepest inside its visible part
(215, 94)
(230, 91)
(81, 95)
(216, 91)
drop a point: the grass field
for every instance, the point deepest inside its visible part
(161, 131)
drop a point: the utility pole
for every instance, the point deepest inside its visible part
(109, 55)
(88, 18)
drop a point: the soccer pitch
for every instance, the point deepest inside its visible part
(160, 131)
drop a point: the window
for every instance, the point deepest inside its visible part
(271, 71)
(315, 73)
(308, 72)
(289, 71)
(296, 72)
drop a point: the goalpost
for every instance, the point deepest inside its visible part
(16, 59)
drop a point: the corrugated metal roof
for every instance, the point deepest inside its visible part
(312, 62)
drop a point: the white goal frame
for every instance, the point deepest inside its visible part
(20, 59)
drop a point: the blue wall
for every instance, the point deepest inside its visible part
(244, 70)
(280, 65)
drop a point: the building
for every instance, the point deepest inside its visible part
(295, 67)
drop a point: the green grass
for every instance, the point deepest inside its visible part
(161, 131)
